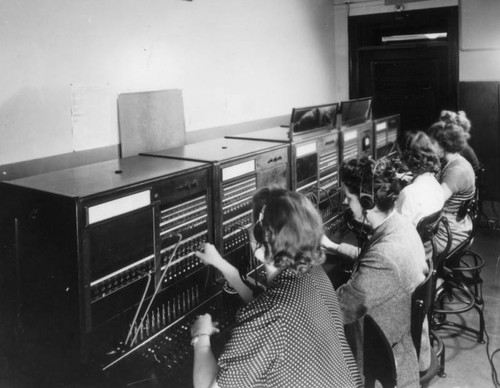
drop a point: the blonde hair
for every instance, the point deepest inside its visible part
(459, 118)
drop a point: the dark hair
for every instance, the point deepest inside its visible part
(291, 229)
(366, 175)
(450, 136)
(419, 153)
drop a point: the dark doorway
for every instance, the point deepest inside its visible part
(408, 63)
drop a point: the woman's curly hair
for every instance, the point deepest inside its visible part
(449, 135)
(419, 153)
(292, 229)
(459, 118)
(367, 175)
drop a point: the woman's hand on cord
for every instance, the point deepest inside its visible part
(210, 255)
(329, 245)
(204, 326)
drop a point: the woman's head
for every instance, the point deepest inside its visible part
(372, 183)
(289, 228)
(450, 136)
(419, 153)
(459, 118)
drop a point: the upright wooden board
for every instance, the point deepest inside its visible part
(150, 121)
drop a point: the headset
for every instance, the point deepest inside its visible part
(260, 233)
(367, 199)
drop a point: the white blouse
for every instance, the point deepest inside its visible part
(421, 198)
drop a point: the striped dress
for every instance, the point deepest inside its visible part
(459, 177)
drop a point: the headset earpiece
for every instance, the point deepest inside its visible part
(367, 199)
(260, 233)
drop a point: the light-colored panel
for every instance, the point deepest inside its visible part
(480, 65)
(151, 121)
(118, 206)
(480, 24)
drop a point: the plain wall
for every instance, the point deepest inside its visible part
(480, 40)
(64, 62)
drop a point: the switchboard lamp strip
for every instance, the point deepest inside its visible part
(328, 156)
(142, 344)
(171, 215)
(241, 191)
(329, 182)
(120, 271)
(305, 187)
(327, 160)
(381, 140)
(238, 187)
(233, 204)
(180, 226)
(392, 136)
(185, 204)
(236, 231)
(238, 217)
(332, 175)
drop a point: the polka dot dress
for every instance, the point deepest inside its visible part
(292, 335)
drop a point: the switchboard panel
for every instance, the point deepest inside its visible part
(357, 141)
(314, 161)
(105, 266)
(239, 169)
(385, 136)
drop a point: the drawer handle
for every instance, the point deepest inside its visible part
(188, 186)
(275, 159)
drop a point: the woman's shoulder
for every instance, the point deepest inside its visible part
(460, 163)
(458, 174)
(262, 308)
(399, 232)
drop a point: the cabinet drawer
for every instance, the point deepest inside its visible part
(271, 159)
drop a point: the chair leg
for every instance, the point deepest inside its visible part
(440, 352)
(442, 355)
(471, 263)
(481, 324)
(463, 294)
(479, 333)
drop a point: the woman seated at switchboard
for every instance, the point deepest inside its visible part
(387, 269)
(457, 180)
(424, 195)
(291, 334)
(461, 119)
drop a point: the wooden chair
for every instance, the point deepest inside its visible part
(378, 358)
